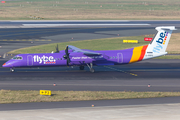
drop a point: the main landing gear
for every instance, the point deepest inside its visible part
(91, 67)
(81, 67)
(11, 70)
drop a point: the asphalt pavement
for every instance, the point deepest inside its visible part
(161, 75)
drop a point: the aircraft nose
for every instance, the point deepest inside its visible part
(6, 65)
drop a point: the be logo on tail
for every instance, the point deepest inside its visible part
(161, 41)
(163, 37)
(159, 44)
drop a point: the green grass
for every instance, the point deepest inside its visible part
(95, 44)
(105, 44)
(11, 96)
(91, 10)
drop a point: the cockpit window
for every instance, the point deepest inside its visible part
(17, 58)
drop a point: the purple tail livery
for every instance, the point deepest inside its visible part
(73, 56)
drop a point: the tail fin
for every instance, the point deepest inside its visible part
(158, 45)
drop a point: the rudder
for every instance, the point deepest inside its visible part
(158, 45)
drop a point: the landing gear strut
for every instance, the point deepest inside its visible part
(11, 70)
(81, 67)
(91, 67)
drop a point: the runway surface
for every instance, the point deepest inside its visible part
(14, 35)
(84, 23)
(81, 104)
(162, 75)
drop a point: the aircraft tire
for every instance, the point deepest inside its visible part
(81, 67)
(11, 70)
(92, 70)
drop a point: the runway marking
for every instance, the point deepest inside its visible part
(37, 31)
(43, 71)
(63, 84)
(4, 33)
(121, 71)
(26, 40)
(52, 25)
(157, 70)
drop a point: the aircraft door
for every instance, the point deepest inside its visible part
(29, 60)
(120, 57)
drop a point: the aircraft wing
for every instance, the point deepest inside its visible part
(75, 49)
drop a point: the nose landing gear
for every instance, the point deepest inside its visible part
(11, 70)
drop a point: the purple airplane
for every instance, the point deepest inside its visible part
(73, 56)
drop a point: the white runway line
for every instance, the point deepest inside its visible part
(68, 21)
(85, 25)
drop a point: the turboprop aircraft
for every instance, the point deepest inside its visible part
(73, 56)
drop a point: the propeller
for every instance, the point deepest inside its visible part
(66, 56)
(57, 49)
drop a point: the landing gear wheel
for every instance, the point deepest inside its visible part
(11, 70)
(91, 67)
(92, 70)
(81, 67)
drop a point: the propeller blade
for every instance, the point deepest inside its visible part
(67, 55)
(57, 49)
(67, 62)
(66, 50)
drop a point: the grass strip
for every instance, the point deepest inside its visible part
(24, 96)
(105, 44)
(93, 44)
(90, 10)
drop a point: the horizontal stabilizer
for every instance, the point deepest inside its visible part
(165, 28)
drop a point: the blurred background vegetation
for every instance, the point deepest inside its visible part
(90, 10)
